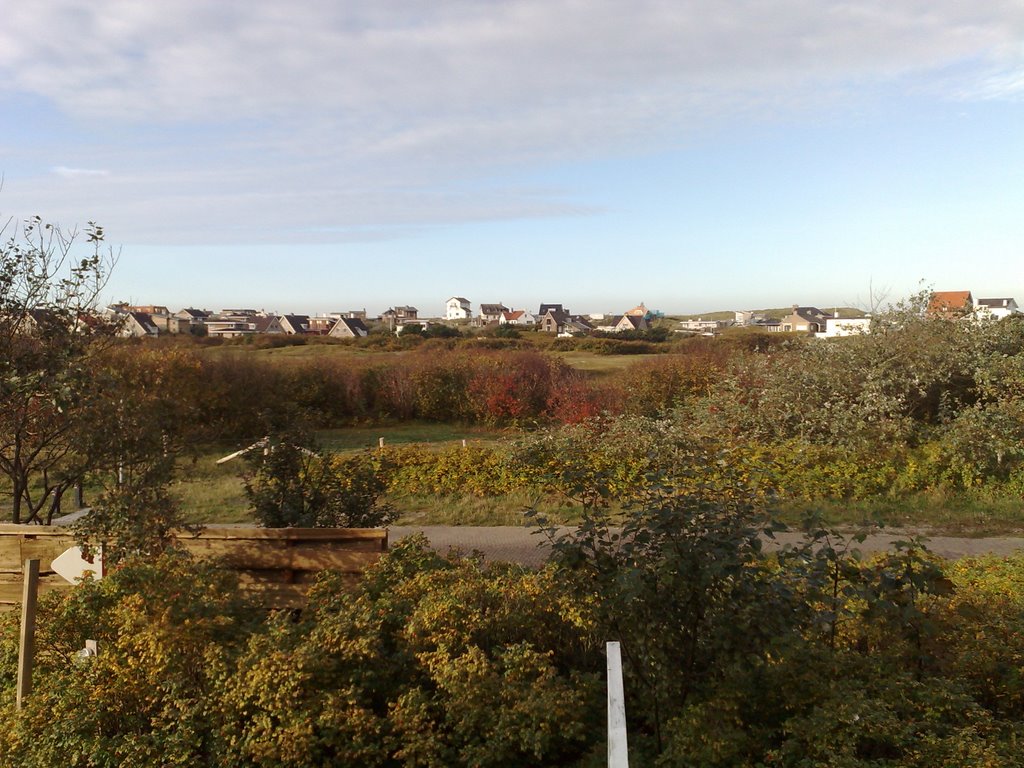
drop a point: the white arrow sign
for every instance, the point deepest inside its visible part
(72, 565)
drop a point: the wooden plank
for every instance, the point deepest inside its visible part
(10, 554)
(34, 530)
(11, 587)
(303, 556)
(27, 645)
(378, 535)
(278, 565)
(45, 549)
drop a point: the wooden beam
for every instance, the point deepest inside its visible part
(27, 646)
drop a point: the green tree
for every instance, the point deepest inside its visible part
(49, 332)
(292, 485)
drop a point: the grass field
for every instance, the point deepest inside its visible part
(358, 438)
(601, 364)
(215, 493)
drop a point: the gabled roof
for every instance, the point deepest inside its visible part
(262, 324)
(492, 309)
(145, 321)
(634, 320)
(545, 308)
(578, 321)
(357, 326)
(298, 323)
(460, 299)
(949, 302)
(812, 314)
(513, 315)
(195, 314)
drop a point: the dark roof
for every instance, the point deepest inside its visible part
(145, 320)
(261, 324)
(357, 326)
(813, 314)
(492, 309)
(995, 302)
(299, 323)
(545, 308)
(635, 320)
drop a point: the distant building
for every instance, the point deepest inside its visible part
(844, 326)
(294, 324)
(138, 324)
(803, 320)
(700, 325)
(267, 324)
(457, 308)
(400, 313)
(946, 304)
(639, 311)
(491, 313)
(149, 309)
(997, 308)
(517, 317)
(349, 328)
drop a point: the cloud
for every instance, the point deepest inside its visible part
(198, 60)
(338, 114)
(73, 173)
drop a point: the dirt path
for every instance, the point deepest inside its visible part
(522, 545)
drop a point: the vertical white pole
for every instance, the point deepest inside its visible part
(618, 753)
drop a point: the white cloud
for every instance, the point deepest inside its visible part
(73, 173)
(327, 114)
(195, 59)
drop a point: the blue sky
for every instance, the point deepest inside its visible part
(324, 155)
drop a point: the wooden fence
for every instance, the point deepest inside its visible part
(278, 564)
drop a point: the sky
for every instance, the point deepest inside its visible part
(695, 155)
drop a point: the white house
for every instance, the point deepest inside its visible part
(517, 317)
(457, 308)
(844, 326)
(996, 308)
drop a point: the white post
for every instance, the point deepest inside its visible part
(618, 752)
(380, 442)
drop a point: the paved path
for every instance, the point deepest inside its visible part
(522, 545)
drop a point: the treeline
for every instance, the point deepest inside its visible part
(732, 658)
(239, 395)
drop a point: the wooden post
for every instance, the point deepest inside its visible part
(380, 442)
(79, 495)
(27, 648)
(618, 753)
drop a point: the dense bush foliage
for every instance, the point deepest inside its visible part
(732, 657)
